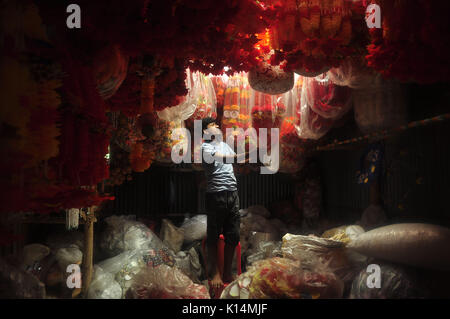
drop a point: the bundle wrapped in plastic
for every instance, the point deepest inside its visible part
(396, 282)
(333, 253)
(166, 143)
(327, 99)
(344, 234)
(194, 228)
(292, 155)
(103, 286)
(123, 268)
(312, 125)
(67, 256)
(264, 250)
(254, 223)
(171, 235)
(419, 245)
(380, 107)
(204, 98)
(187, 106)
(270, 79)
(236, 113)
(277, 278)
(126, 265)
(189, 263)
(124, 233)
(165, 282)
(353, 73)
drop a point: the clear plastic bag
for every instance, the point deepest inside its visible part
(186, 108)
(380, 108)
(172, 236)
(194, 228)
(124, 233)
(236, 109)
(103, 286)
(285, 278)
(264, 250)
(204, 98)
(270, 79)
(165, 142)
(354, 74)
(312, 125)
(189, 263)
(327, 99)
(129, 263)
(165, 282)
(292, 155)
(311, 250)
(67, 256)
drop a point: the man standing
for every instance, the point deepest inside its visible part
(222, 201)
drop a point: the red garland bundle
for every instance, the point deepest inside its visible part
(413, 44)
(203, 35)
(313, 36)
(326, 98)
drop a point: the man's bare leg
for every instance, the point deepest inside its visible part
(216, 281)
(228, 261)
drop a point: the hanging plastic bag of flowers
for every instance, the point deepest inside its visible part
(292, 153)
(353, 73)
(326, 98)
(267, 112)
(220, 85)
(312, 125)
(166, 143)
(204, 98)
(268, 78)
(187, 106)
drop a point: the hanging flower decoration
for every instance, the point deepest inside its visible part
(326, 98)
(311, 36)
(265, 77)
(413, 43)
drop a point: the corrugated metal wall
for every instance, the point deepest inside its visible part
(416, 186)
(162, 191)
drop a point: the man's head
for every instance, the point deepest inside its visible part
(210, 127)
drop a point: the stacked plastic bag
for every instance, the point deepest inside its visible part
(203, 97)
(186, 108)
(292, 154)
(277, 278)
(194, 228)
(330, 252)
(125, 233)
(164, 282)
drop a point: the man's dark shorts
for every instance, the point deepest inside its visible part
(222, 209)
